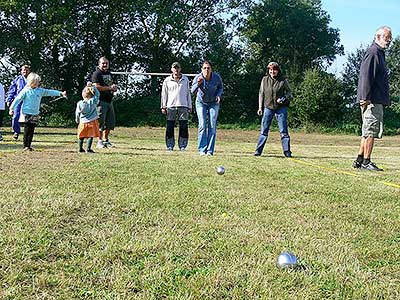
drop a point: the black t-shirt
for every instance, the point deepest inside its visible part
(103, 79)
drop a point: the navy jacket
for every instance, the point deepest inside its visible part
(373, 83)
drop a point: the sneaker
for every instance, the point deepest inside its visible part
(27, 149)
(257, 154)
(15, 136)
(182, 149)
(202, 153)
(287, 154)
(209, 154)
(81, 151)
(100, 145)
(1, 137)
(90, 151)
(370, 167)
(107, 144)
(356, 164)
(170, 149)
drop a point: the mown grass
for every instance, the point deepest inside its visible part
(137, 222)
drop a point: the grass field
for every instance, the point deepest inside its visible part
(137, 222)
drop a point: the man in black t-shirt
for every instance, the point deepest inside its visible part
(103, 82)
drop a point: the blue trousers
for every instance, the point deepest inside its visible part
(16, 128)
(207, 114)
(280, 114)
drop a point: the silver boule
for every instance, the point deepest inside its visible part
(286, 260)
(220, 170)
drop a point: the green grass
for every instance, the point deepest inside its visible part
(137, 222)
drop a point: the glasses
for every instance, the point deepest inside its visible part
(206, 68)
(387, 38)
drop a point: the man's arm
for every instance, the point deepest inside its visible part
(12, 92)
(367, 77)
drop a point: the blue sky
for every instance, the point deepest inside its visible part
(358, 20)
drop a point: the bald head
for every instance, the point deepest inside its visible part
(104, 64)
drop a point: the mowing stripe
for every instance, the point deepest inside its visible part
(341, 172)
(390, 184)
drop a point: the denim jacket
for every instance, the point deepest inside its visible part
(209, 89)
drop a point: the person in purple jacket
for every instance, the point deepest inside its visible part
(16, 86)
(208, 87)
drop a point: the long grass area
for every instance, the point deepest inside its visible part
(138, 222)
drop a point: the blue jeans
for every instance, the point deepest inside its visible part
(207, 114)
(15, 119)
(280, 114)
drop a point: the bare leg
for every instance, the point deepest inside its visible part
(106, 133)
(361, 151)
(368, 145)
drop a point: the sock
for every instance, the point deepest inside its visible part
(81, 143)
(366, 161)
(89, 143)
(360, 158)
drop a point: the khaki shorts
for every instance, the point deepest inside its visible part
(372, 121)
(106, 115)
(181, 112)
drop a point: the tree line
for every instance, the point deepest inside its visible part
(62, 40)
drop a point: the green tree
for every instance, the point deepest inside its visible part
(294, 33)
(319, 100)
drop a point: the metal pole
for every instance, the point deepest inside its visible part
(147, 74)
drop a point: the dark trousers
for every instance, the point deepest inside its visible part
(29, 130)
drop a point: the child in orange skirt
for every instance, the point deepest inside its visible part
(86, 116)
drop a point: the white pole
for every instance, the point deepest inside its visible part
(147, 74)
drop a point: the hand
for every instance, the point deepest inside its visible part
(189, 110)
(281, 100)
(365, 103)
(114, 88)
(8, 104)
(218, 99)
(200, 80)
(89, 84)
(64, 94)
(164, 110)
(10, 112)
(259, 112)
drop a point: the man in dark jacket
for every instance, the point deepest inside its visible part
(373, 95)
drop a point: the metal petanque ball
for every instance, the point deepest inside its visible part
(220, 170)
(286, 260)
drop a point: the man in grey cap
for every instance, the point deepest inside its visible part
(373, 95)
(176, 103)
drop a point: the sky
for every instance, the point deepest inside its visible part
(357, 21)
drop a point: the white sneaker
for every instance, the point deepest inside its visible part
(202, 153)
(107, 144)
(100, 145)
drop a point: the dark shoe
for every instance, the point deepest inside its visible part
(90, 151)
(81, 151)
(370, 167)
(287, 154)
(15, 136)
(1, 137)
(27, 149)
(356, 164)
(256, 154)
